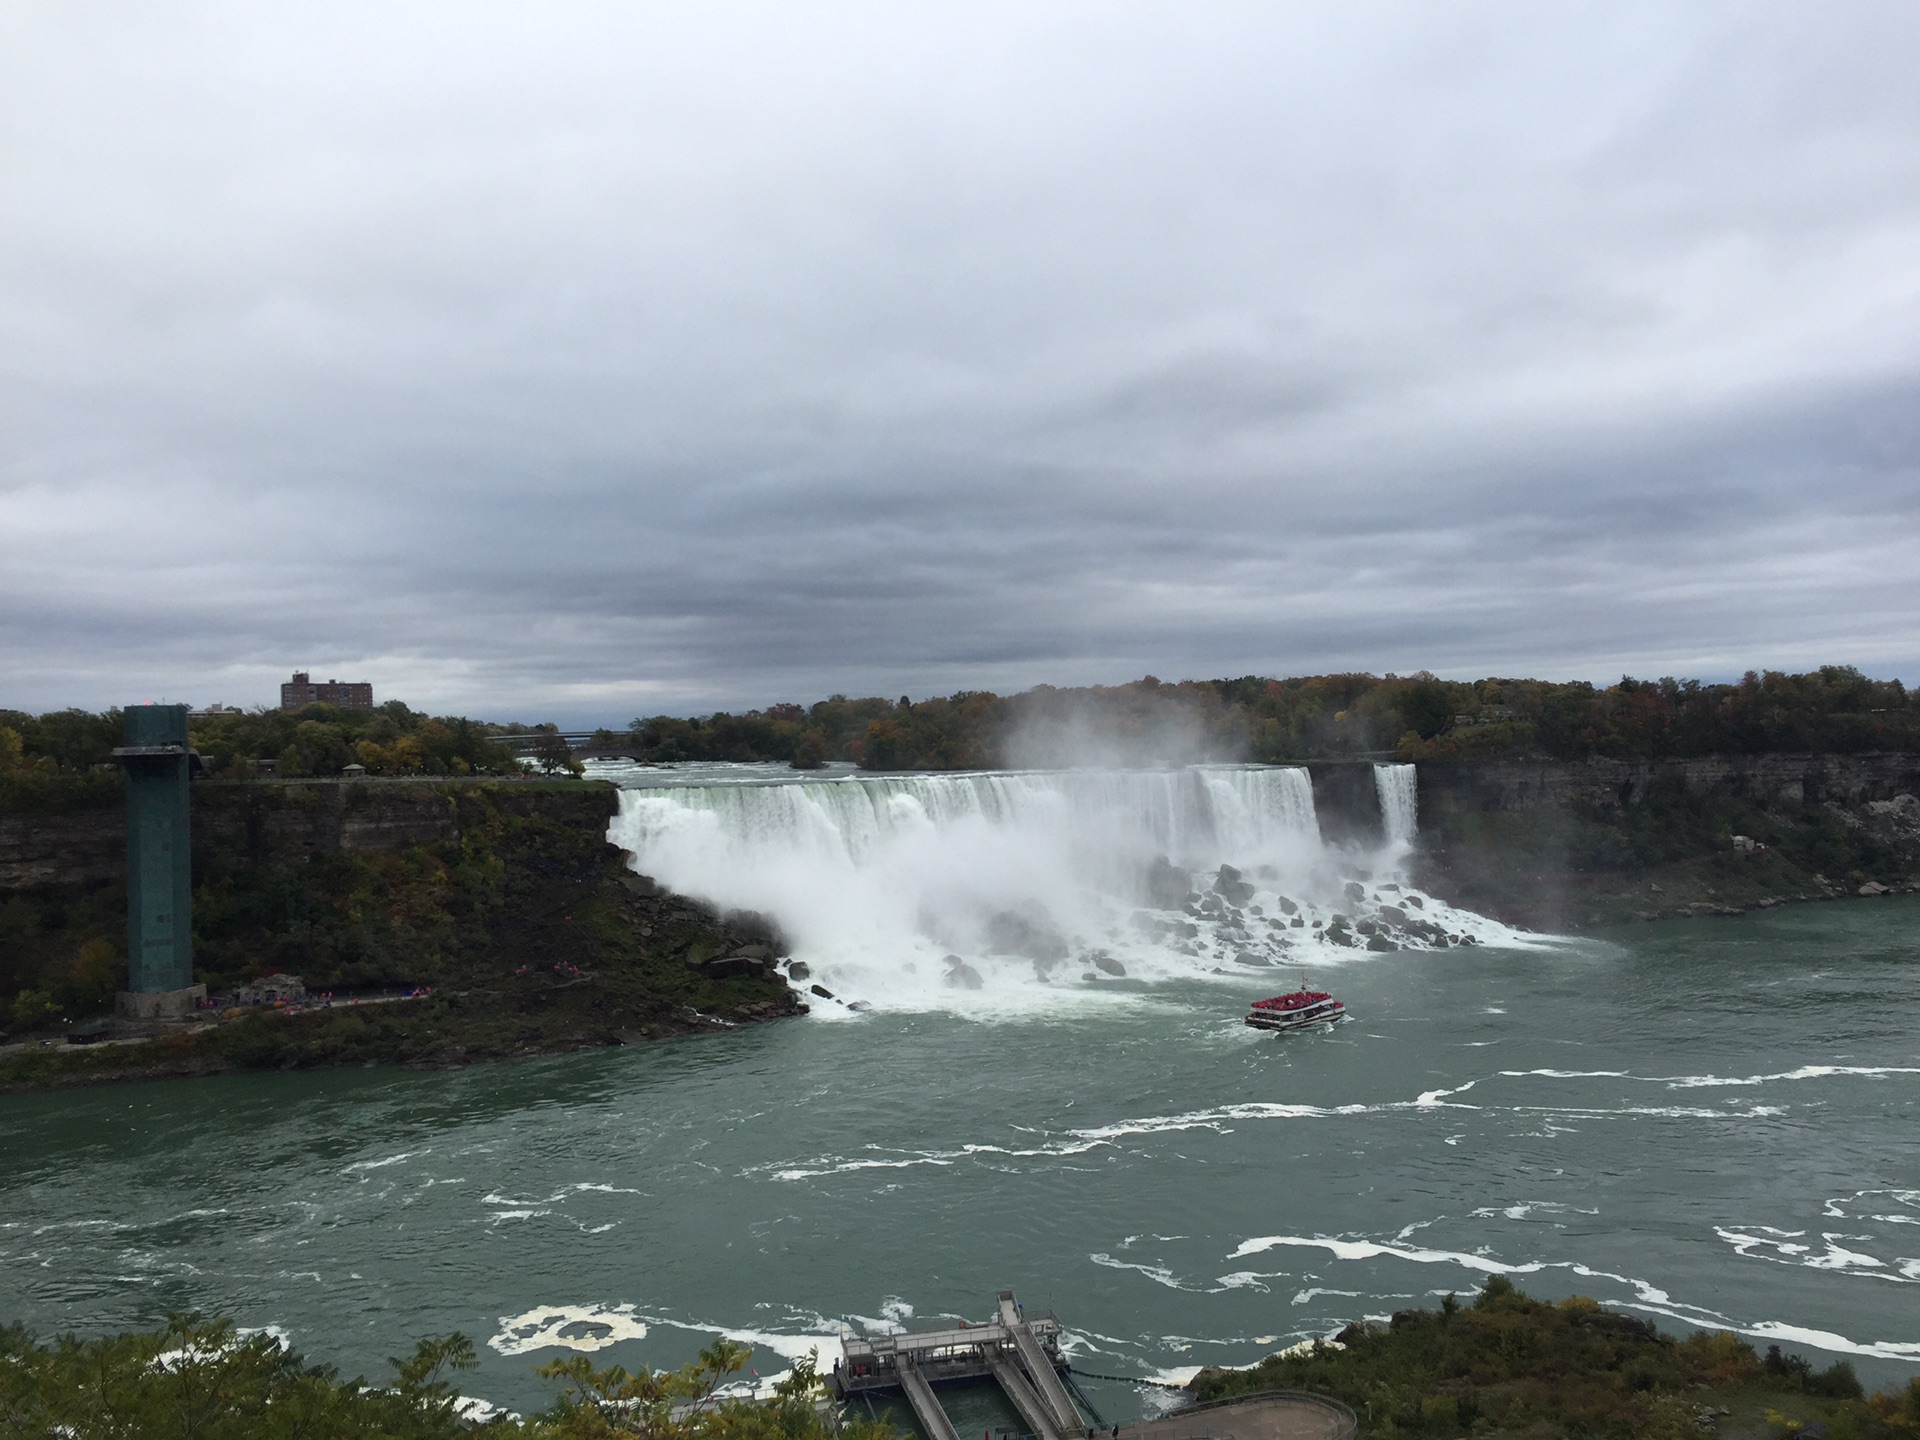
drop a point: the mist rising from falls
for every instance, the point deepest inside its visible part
(1022, 890)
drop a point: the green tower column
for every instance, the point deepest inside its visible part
(159, 865)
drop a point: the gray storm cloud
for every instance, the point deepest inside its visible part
(599, 360)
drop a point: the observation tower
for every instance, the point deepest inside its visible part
(159, 866)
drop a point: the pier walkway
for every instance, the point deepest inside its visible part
(931, 1414)
(1023, 1357)
(1027, 1401)
(1039, 1366)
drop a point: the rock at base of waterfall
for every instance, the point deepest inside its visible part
(1286, 906)
(1030, 937)
(961, 975)
(1106, 962)
(1248, 957)
(799, 970)
(760, 929)
(1230, 887)
(821, 991)
(1166, 886)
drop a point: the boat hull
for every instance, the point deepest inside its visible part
(1267, 1020)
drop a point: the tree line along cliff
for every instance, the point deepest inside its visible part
(1835, 709)
(1416, 718)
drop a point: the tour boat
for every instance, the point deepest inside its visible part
(1303, 1007)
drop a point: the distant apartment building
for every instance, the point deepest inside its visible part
(348, 695)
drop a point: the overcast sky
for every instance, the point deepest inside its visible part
(579, 362)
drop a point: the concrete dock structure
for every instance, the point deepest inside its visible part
(1021, 1355)
(1023, 1358)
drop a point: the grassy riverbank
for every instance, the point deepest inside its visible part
(1505, 1366)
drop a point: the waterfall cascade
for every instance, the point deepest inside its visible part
(1399, 802)
(910, 892)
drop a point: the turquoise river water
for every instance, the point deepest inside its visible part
(1710, 1122)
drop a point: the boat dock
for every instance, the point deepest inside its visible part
(1023, 1358)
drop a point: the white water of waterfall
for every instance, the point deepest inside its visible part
(1398, 787)
(1026, 891)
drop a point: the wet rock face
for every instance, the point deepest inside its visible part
(962, 976)
(762, 930)
(1231, 888)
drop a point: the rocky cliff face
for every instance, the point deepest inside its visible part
(503, 901)
(1562, 845)
(1768, 781)
(249, 823)
(87, 847)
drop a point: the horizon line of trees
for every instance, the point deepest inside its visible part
(1416, 717)
(315, 740)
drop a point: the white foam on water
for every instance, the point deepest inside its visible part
(1308, 1295)
(1788, 1247)
(1033, 880)
(1219, 1119)
(596, 1327)
(476, 1411)
(567, 1327)
(1835, 1206)
(1178, 1377)
(1700, 1082)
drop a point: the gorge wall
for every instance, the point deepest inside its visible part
(503, 899)
(1770, 781)
(1559, 845)
(259, 823)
